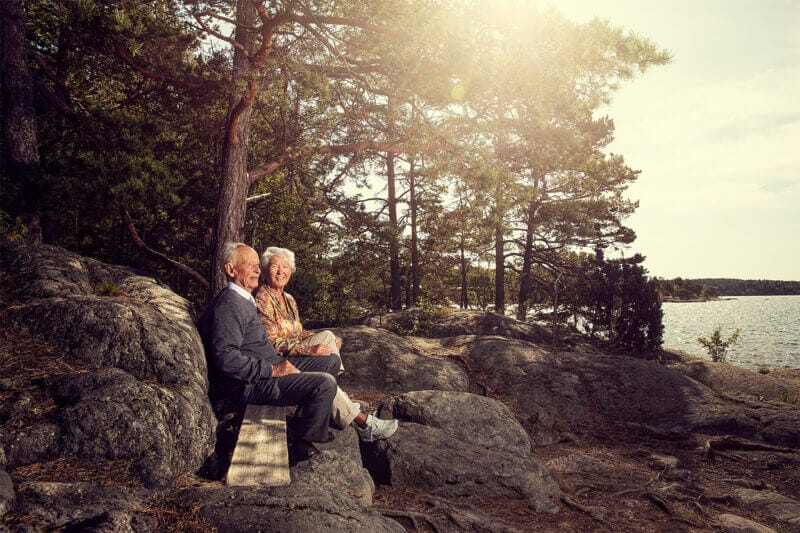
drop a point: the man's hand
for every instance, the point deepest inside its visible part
(284, 368)
(338, 343)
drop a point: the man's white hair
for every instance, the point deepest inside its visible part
(274, 251)
(229, 250)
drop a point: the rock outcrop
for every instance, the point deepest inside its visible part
(138, 390)
(479, 420)
(106, 423)
(434, 460)
(377, 359)
(292, 508)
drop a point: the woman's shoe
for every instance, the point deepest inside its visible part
(377, 429)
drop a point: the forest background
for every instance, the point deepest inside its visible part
(410, 152)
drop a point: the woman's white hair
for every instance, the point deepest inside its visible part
(229, 250)
(274, 251)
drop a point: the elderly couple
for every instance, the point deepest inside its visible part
(258, 353)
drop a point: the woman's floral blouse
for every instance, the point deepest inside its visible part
(283, 328)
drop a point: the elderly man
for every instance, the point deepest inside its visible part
(244, 367)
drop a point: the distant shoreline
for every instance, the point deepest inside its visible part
(672, 299)
(705, 289)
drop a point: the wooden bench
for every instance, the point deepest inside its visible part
(261, 456)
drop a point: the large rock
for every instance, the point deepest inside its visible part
(6, 492)
(741, 383)
(567, 387)
(731, 523)
(138, 389)
(84, 506)
(110, 414)
(333, 490)
(437, 461)
(450, 323)
(377, 359)
(147, 330)
(298, 507)
(771, 397)
(468, 417)
(626, 389)
(546, 392)
(774, 504)
(336, 474)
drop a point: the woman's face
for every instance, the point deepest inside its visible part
(278, 272)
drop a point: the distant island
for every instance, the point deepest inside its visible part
(680, 289)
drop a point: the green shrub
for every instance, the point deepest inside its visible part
(787, 397)
(11, 229)
(718, 348)
(108, 288)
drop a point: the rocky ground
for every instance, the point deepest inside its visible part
(105, 425)
(659, 442)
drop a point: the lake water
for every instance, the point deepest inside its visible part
(770, 328)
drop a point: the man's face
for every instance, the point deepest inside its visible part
(245, 270)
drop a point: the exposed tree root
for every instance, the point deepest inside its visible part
(468, 517)
(659, 501)
(415, 518)
(588, 510)
(714, 445)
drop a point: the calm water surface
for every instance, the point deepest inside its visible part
(770, 328)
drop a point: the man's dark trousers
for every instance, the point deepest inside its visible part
(312, 390)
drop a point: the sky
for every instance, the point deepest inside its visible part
(715, 134)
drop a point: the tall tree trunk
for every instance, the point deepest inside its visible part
(415, 267)
(21, 150)
(395, 284)
(554, 342)
(464, 301)
(499, 271)
(499, 252)
(235, 182)
(525, 280)
(462, 250)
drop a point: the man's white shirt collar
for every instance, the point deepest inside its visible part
(241, 292)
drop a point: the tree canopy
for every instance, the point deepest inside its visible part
(408, 151)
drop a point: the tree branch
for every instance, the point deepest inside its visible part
(258, 197)
(268, 26)
(180, 266)
(58, 103)
(123, 54)
(244, 103)
(281, 160)
(206, 28)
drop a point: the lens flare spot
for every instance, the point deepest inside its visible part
(457, 92)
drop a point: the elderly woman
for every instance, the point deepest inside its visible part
(277, 310)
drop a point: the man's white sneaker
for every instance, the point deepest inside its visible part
(376, 429)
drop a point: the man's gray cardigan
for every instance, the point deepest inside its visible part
(237, 349)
